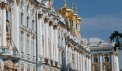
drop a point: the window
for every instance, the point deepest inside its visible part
(73, 59)
(33, 25)
(7, 29)
(106, 59)
(27, 22)
(96, 68)
(7, 16)
(95, 59)
(21, 41)
(14, 52)
(71, 24)
(28, 47)
(21, 18)
(63, 57)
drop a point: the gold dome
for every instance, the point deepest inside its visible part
(68, 13)
(65, 12)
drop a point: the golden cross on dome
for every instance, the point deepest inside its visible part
(76, 6)
(65, 5)
(72, 5)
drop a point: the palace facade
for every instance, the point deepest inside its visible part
(33, 36)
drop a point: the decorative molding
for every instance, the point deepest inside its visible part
(22, 28)
(40, 16)
(33, 34)
(28, 31)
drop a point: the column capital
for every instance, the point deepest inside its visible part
(4, 5)
(40, 16)
(50, 23)
(114, 53)
(46, 20)
(17, 2)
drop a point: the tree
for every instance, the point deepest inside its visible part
(117, 38)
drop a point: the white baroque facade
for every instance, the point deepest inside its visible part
(33, 36)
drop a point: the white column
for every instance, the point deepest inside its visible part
(16, 26)
(66, 54)
(101, 68)
(71, 58)
(39, 35)
(86, 64)
(52, 51)
(42, 36)
(112, 60)
(83, 63)
(56, 44)
(46, 40)
(80, 62)
(75, 59)
(30, 45)
(49, 41)
(3, 35)
(41, 29)
(116, 63)
(90, 64)
(0, 25)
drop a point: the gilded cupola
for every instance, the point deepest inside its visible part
(72, 19)
(68, 13)
(65, 11)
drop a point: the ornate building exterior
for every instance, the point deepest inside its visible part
(33, 36)
(104, 55)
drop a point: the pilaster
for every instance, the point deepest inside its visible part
(46, 40)
(15, 26)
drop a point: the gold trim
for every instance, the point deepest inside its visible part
(93, 66)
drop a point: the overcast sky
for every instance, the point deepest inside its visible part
(99, 17)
